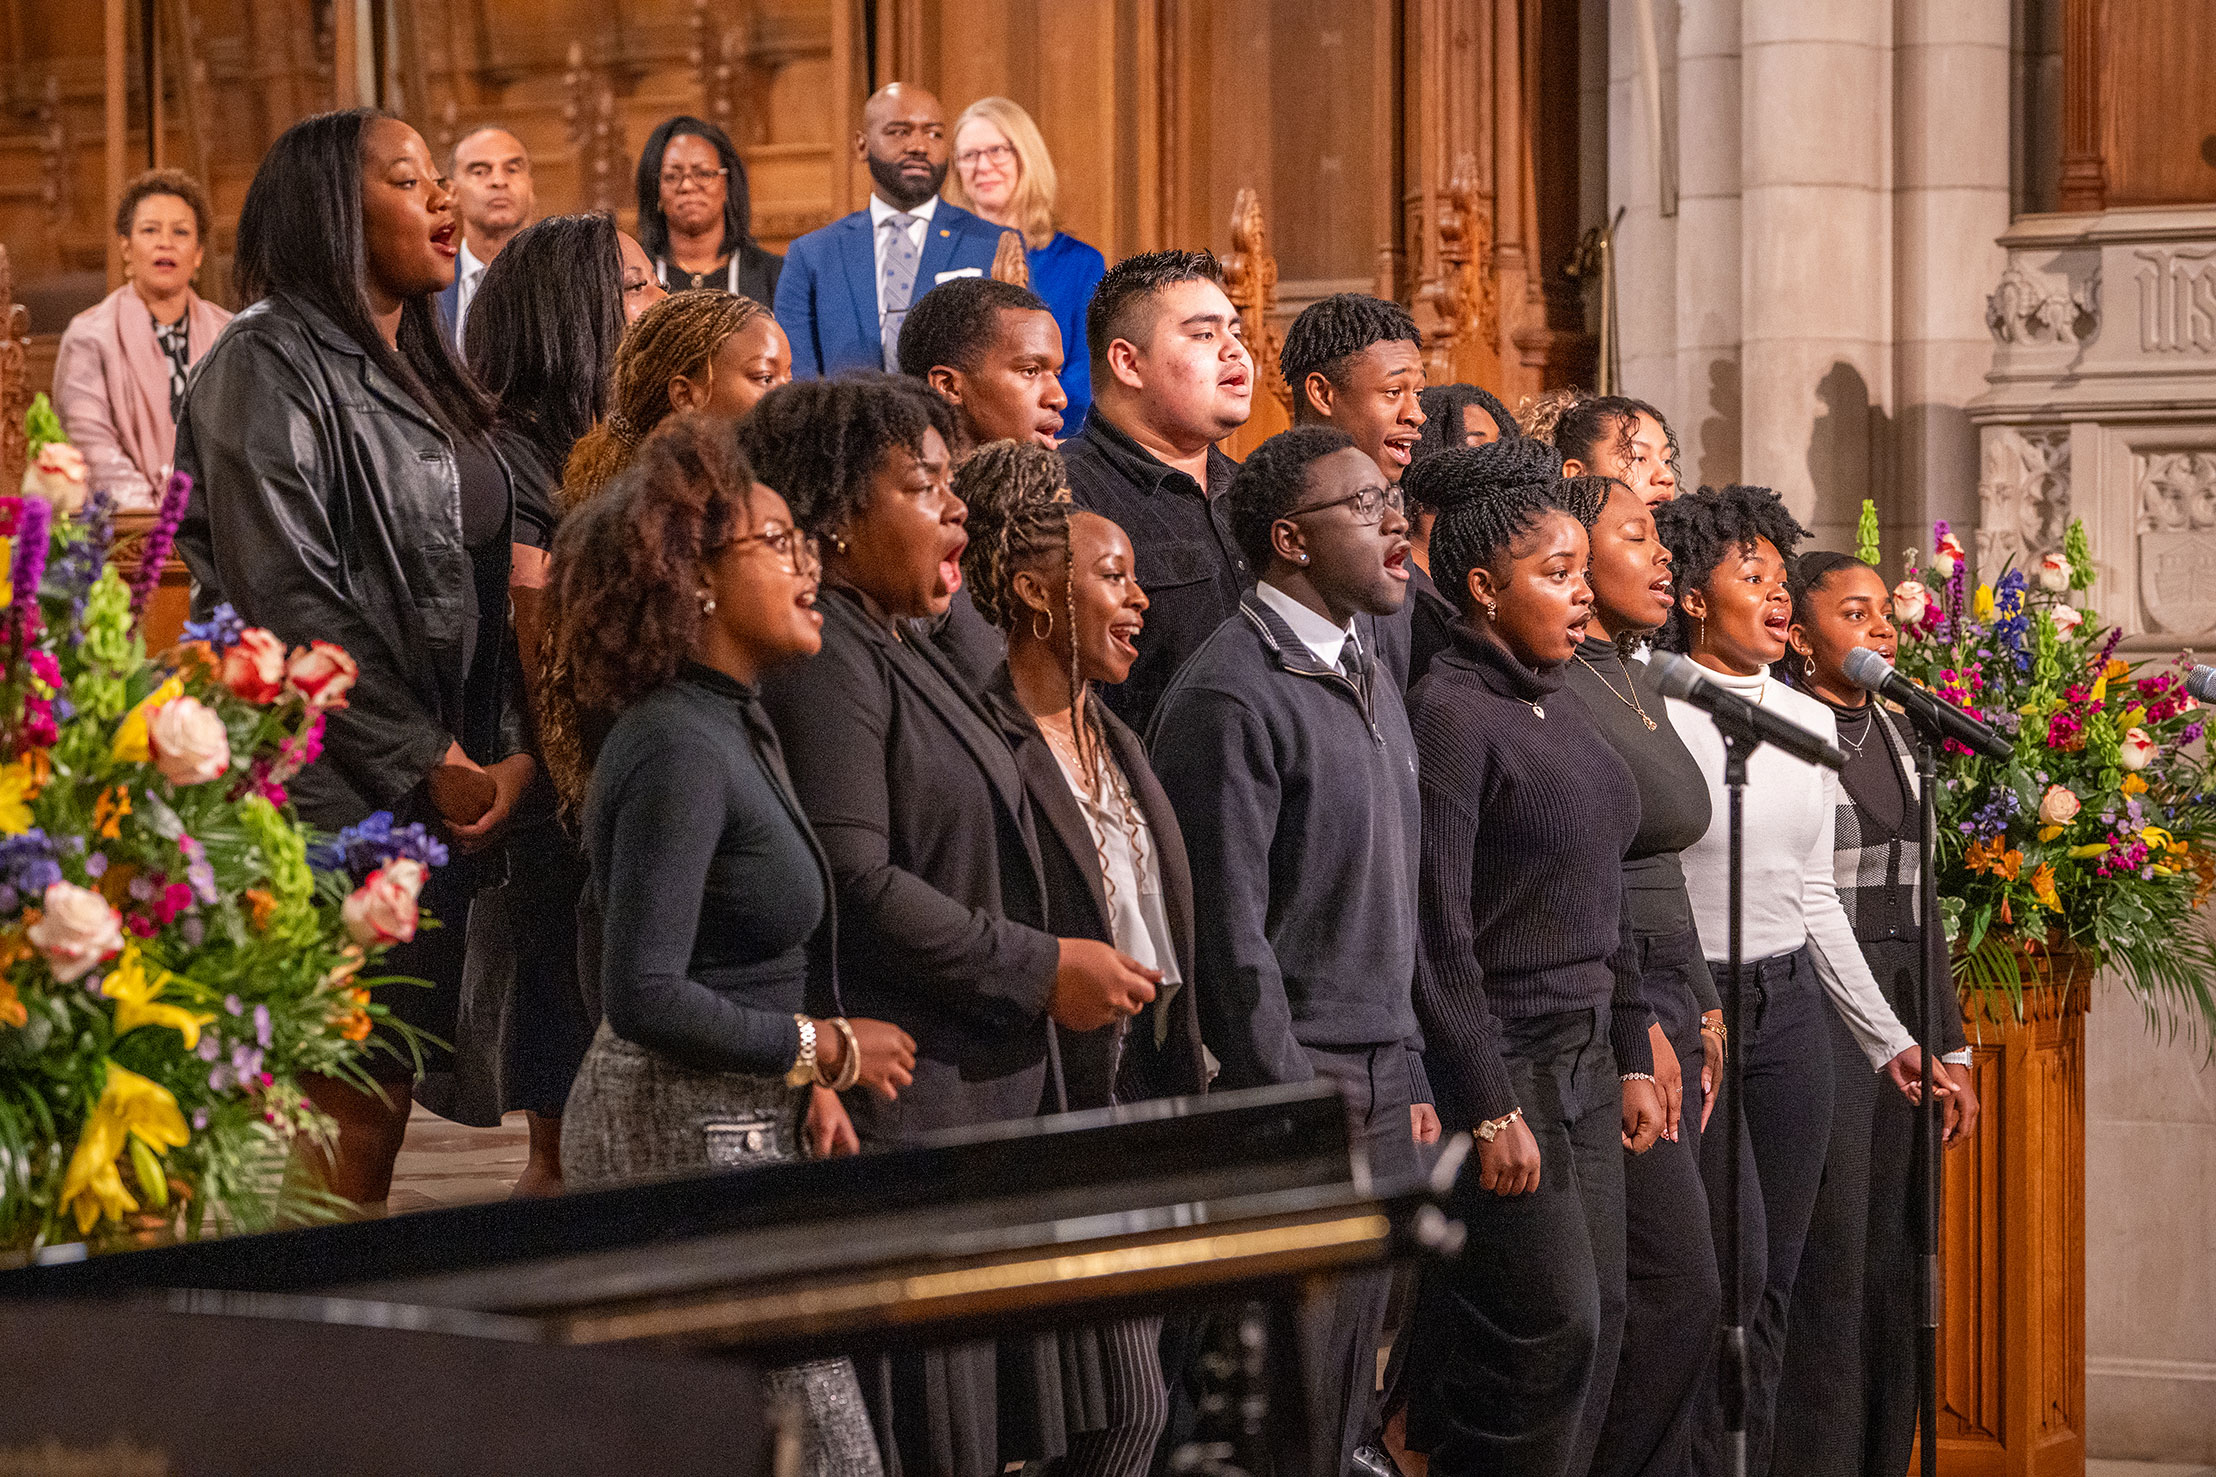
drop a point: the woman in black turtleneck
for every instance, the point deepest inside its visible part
(1673, 1294)
(1535, 1038)
(1847, 1398)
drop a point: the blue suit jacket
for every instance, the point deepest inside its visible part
(450, 307)
(827, 294)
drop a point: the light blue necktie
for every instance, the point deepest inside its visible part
(899, 283)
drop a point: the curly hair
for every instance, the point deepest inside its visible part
(1271, 482)
(1703, 529)
(1486, 498)
(677, 336)
(1442, 417)
(165, 182)
(624, 594)
(1332, 330)
(818, 442)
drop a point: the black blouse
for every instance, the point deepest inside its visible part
(709, 883)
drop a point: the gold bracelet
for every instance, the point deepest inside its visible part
(1491, 1128)
(850, 1065)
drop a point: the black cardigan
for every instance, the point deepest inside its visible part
(1077, 907)
(942, 911)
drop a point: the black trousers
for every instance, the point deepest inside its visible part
(1785, 1047)
(1847, 1397)
(1672, 1292)
(1511, 1349)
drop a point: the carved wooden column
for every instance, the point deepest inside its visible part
(1250, 278)
(15, 391)
(595, 130)
(2084, 107)
(117, 122)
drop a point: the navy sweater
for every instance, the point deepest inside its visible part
(1526, 820)
(1296, 791)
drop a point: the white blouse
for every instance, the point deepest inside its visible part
(1790, 895)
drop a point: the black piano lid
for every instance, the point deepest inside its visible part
(1115, 1171)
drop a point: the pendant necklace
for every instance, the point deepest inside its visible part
(1631, 702)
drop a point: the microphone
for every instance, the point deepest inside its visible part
(1680, 677)
(2201, 682)
(1865, 668)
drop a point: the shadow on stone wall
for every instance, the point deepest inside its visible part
(1720, 426)
(1849, 451)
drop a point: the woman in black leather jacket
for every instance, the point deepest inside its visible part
(345, 490)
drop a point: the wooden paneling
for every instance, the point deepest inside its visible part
(2159, 134)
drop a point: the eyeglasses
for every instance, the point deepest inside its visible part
(803, 556)
(1369, 504)
(678, 178)
(997, 153)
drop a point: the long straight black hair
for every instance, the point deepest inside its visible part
(738, 220)
(300, 235)
(544, 325)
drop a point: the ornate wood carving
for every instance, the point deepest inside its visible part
(1011, 263)
(1250, 277)
(55, 189)
(2084, 166)
(1462, 294)
(710, 55)
(595, 130)
(15, 389)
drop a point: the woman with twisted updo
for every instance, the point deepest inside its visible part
(706, 350)
(1058, 583)
(1535, 1034)
(680, 588)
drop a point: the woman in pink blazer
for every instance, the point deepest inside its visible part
(119, 376)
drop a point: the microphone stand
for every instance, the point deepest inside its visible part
(1739, 746)
(1927, 1114)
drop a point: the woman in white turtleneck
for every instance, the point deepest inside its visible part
(1730, 549)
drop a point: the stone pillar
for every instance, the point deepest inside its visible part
(1950, 206)
(1816, 219)
(1705, 410)
(1646, 240)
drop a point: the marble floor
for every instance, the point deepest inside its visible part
(444, 1164)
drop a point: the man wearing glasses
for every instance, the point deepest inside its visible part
(846, 288)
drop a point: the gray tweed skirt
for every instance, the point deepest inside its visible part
(635, 1116)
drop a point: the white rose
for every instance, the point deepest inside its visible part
(1911, 602)
(2135, 750)
(2054, 574)
(57, 476)
(383, 909)
(2066, 619)
(2059, 806)
(188, 742)
(1946, 556)
(75, 931)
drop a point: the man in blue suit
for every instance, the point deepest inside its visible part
(846, 288)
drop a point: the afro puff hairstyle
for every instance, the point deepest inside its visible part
(1705, 528)
(818, 442)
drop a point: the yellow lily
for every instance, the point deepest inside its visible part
(18, 788)
(130, 1106)
(2082, 853)
(2048, 833)
(1981, 605)
(134, 992)
(2155, 837)
(130, 739)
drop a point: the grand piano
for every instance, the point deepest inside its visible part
(524, 1325)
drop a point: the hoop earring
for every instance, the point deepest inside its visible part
(1036, 617)
(1808, 667)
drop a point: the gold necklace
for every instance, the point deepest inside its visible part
(1631, 702)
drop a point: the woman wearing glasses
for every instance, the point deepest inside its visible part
(723, 1042)
(1003, 173)
(693, 215)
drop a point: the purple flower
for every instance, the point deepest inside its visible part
(208, 1049)
(32, 522)
(262, 1026)
(199, 1120)
(234, 1005)
(221, 630)
(175, 494)
(192, 931)
(143, 887)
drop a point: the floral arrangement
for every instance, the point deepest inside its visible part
(176, 951)
(2098, 833)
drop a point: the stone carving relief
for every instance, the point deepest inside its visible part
(2023, 496)
(2176, 495)
(2024, 309)
(2177, 299)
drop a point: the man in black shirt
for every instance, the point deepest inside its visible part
(1171, 378)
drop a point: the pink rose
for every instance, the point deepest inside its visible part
(2054, 574)
(57, 476)
(2066, 619)
(75, 931)
(322, 673)
(383, 909)
(188, 742)
(254, 668)
(1911, 603)
(1947, 557)
(2135, 750)
(2059, 806)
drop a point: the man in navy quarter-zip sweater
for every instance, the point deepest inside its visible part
(1286, 754)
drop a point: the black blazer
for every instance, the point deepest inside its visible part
(1077, 907)
(942, 911)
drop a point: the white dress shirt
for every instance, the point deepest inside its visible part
(1315, 632)
(918, 230)
(469, 272)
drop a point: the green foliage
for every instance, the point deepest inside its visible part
(41, 424)
(1866, 535)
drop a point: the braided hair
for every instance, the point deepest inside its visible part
(819, 442)
(624, 594)
(1703, 529)
(677, 336)
(1442, 417)
(1019, 520)
(1486, 497)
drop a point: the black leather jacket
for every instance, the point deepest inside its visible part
(327, 506)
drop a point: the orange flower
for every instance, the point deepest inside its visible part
(1994, 856)
(355, 1024)
(2116, 670)
(109, 810)
(12, 1012)
(2133, 785)
(264, 908)
(2042, 888)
